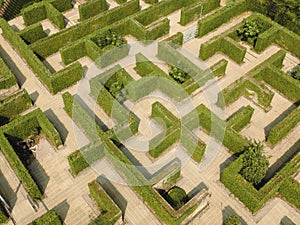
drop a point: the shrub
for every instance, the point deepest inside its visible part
(290, 190)
(233, 220)
(255, 164)
(295, 72)
(241, 118)
(281, 130)
(177, 197)
(265, 39)
(91, 8)
(49, 218)
(177, 74)
(219, 68)
(7, 77)
(33, 33)
(176, 39)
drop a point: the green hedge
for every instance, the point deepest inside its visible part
(53, 43)
(13, 105)
(176, 39)
(3, 216)
(7, 77)
(265, 39)
(281, 130)
(192, 12)
(223, 15)
(33, 33)
(66, 77)
(241, 118)
(91, 8)
(49, 218)
(160, 111)
(228, 46)
(34, 13)
(61, 5)
(110, 213)
(219, 68)
(254, 199)
(55, 16)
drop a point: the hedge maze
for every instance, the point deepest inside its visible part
(148, 98)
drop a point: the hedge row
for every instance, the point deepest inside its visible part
(33, 33)
(228, 46)
(219, 68)
(194, 146)
(13, 105)
(152, 32)
(241, 118)
(265, 39)
(241, 88)
(223, 15)
(83, 158)
(176, 39)
(66, 77)
(49, 218)
(43, 73)
(192, 12)
(3, 216)
(110, 213)
(281, 130)
(40, 11)
(254, 199)
(7, 77)
(92, 8)
(161, 9)
(53, 43)
(61, 5)
(161, 112)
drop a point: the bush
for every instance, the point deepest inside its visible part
(61, 5)
(34, 13)
(233, 220)
(265, 39)
(33, 33)
(290, 190)
(110, 213)
(55, 16)
(13, 105)
(223, 15)
(49, 218)
(91, 8)
(281, 130)
(219, 68)
(176, 39)
(241, 118)
(7, 77)
(177, 197)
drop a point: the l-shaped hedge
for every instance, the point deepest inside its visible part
(7, 77)
(254, 199)
(49, 218)
(54, 82)
(23, 127)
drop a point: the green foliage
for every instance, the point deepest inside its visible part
(219, 68)
(255, 163)
(7, 78)
(49, 218)
(171, 180)
(13, 105)
(249, 29)
(178, 75)
(295, 72)
(61, 5)
(192, 12)
(110, 213)
(91, 8)
(290, 190)
(281, 130)
(3, 217)
(177, 197)
(50, 45)
(265, 39)
(176, 39)
(223, 15)
(107, 38)
(241, 118)
(33, 33)
(233, 220)
(55, 16)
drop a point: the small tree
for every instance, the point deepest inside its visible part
(295, 72)
(250, 29)
(255, 163)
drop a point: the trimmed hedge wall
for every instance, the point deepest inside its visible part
(61, 5)
(254, 199)
(50, 45)
(33, 33)
(49, 218)
(192, 12)
(281, 130)
(176, 39)
(66, 77)
(241, 118)
(91, 8)
(3, 216)
(7, 77)
(13, 105)
(223, 15)
(226, 45)
(160, 111)
(219, 68)
(105, 204)
(265, 39)
(40, 11)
